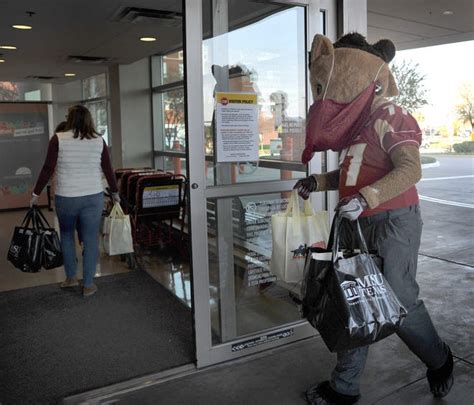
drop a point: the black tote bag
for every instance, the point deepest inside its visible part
(346, 297)
(52, 256)
(25, 251)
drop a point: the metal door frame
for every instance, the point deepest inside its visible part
(206, 353)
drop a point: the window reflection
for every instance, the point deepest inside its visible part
(261, 299)
(99, 114)
(94, 87)
(263, 59)
(174, 123)
(168, 112)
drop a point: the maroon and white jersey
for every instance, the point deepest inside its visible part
(368, 158)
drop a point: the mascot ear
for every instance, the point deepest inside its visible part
(386, 48)
(321, 46)
(215, 69)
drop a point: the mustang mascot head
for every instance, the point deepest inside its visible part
(348, 78)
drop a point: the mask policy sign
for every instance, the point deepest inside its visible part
(236, 127)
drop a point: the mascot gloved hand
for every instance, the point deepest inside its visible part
(379, 164)
(351, 207)
(306, 186)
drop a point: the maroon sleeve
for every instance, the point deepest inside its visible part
(107, 169)
(48, 167)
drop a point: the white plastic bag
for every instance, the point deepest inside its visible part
(117, 232)
(292, 232)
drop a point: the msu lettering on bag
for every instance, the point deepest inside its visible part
(370, 287)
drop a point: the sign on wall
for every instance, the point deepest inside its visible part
(236, 127)
(24, 137)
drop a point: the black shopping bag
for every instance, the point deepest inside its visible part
(52, 255)
(346, 297)
(25, 251)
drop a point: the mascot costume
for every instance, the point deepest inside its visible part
(378, 168)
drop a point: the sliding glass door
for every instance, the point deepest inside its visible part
(247, 96)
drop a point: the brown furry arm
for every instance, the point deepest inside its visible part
(327, 181)
(406, 173)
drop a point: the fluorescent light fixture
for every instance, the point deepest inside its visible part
(148, 39)
(2, 60)
(22, 27)
(7, 47)
(69, 74)
(448, 12)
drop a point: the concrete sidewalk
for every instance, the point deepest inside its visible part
(393, 374)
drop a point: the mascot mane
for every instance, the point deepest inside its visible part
(384, 49)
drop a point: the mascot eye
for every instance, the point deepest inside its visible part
(319, 89)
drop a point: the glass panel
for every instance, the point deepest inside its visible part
(172, 67)
(169, 120)
(168, 68)
(169, 130)
(34, 95)
(94, 87)
(173, 119)
(175, 165)
(18, 91)
(99, 114)
(263, 59)
(249, 298)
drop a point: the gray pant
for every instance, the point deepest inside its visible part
(395, 235)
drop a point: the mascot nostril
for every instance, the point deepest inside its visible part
(379, 165)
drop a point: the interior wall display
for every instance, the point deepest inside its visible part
(236, 127)
(24, 137)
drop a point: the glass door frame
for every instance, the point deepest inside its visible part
(206, 353)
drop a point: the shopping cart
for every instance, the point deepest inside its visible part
(156, 203)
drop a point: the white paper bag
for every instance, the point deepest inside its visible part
(292, 232)
(117, 232)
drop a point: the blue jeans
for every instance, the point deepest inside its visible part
(85, 212)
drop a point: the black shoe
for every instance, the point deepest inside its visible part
(441, 380)
(323, 394)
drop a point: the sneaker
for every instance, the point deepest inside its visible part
(323, 394)
(88, 291)
(69, 282)
(441, 380)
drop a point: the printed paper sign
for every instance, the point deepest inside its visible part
(161, 196)
(237, 127)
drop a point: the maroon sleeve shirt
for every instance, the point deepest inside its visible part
(52, 158)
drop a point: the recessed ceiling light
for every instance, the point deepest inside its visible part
(148, 39)
(2, 60)
(7, 47)
(22, 27)
(69, 74)
(448, 12)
